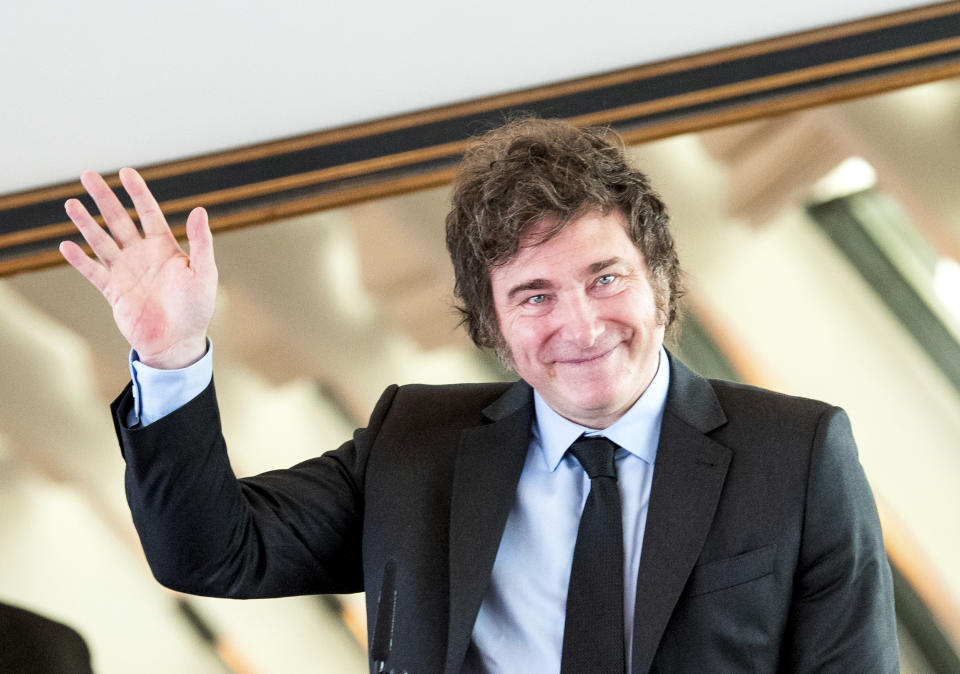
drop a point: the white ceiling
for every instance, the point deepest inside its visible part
(105, 83)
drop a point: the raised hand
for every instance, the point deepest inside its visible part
(162, 299)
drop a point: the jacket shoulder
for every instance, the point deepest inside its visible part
(771, 416)
(447, 404)
(735, 394)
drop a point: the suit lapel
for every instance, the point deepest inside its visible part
(687, 481)
(489, 462)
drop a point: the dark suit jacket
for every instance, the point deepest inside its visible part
(762, 548)
(32, 644)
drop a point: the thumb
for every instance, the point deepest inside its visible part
(201, 242)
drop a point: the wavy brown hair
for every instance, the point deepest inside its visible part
(514, 177)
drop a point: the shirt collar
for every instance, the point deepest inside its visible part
(637, 431)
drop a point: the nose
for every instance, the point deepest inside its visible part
(581, 322)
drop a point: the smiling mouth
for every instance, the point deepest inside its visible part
(586, 361)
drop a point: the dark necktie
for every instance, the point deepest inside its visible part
(593, 635)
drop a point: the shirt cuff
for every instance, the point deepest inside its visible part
(157, 393)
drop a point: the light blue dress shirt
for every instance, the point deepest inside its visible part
(157, 393)
(520, 624)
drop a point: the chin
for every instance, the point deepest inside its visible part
(595, 406)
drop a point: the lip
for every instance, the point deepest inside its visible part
(586, 361)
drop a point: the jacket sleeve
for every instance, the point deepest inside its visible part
(285, 532)
(842, 614)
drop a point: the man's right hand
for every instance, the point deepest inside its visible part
(162, 299)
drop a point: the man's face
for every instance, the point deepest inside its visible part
(579, 317)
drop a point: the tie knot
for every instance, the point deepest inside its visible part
(595, 454)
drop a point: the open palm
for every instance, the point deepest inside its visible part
(162, 299)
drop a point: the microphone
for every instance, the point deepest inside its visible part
(386, 613)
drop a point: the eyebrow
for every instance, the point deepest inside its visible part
(543, 284)
(603, 264)
(535, 284)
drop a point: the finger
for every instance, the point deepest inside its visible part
(151, 218)
(91, 270)
(201, 242)
(101, 243)
(113, 212)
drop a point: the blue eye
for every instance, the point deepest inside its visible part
(536, 299)
(605, 280)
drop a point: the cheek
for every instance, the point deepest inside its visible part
(525, 340)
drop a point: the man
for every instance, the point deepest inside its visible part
(709, 526)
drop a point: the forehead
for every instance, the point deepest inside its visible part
(580, 245)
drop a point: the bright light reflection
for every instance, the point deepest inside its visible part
(946, 282)
(853, 174)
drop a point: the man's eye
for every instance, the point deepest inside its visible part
(536, 299)
(605, 280)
